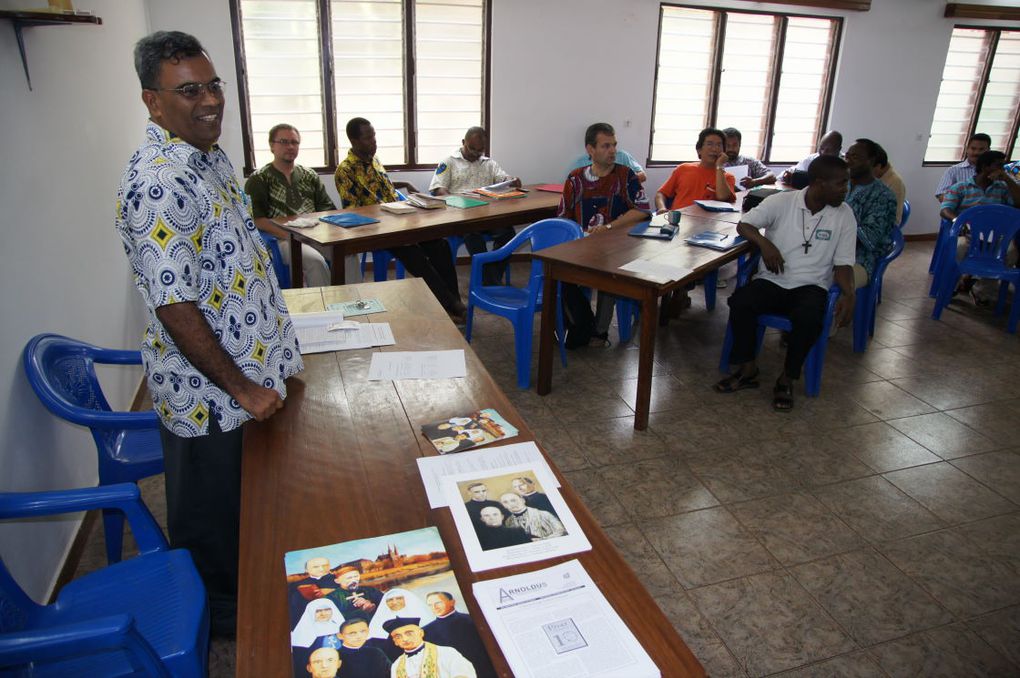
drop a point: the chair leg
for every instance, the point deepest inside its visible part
(1000, 303)
(400, 270)
(113, 531)
(380, 264)
(625, 312)
(944, 286)
(470, 320)
(522, 348)
(1014, 310)
(709, 283)
(862, 318)
(560, 327)
(727, 346)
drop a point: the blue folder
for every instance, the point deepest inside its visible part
(348, 219)
(646, 230)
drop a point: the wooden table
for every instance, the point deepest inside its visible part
(338, 463)
(393, 230)
(595, 261)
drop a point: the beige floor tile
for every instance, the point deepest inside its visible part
(886, 401)
(869, 597)
(998, 470)
(943, 435)
(668, 393)
(699, 635)
(1001, 630)
(706, 546)
(597, 497)
(996, 421)
(949, 493)
(877, 509)
(643, 559)
(739, 473)
(882, 447)
(853, 665)
(770, 623)
(614, 441)
(965, 580)
(796, 528)
(656, 488)
(948, 652)
(817, 459)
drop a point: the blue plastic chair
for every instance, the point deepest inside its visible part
(992, 229)
(816, 356)
(456, 241)
(519, 304)
(869, 296)
(381, 259)
(906, 214)
(281, 269)
(936, 255)
(146, 616)
(62, 373)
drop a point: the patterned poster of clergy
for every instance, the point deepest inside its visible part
(512, 515)
(383, 607)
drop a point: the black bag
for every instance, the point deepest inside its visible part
(755, 196)
(578, 320)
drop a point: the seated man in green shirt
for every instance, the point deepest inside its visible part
(284, 189)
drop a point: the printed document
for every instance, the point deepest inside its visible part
(655, 271)
(738, 172)
(328, 331)
(555, 623)
(512, 515)
(417, 365)
(434, 469)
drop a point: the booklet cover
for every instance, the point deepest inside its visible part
(512, 515)
(348, 219)
(715, 240)
(500, 195)
(373, 606)
(646, 230)
(359, 307)
(457, 434)
(556, 622)
(463, 202)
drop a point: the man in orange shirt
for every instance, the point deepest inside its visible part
(702, 180)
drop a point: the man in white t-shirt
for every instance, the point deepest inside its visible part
(810, 237)
(831, 143)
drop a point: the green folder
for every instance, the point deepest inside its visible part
(462, 202)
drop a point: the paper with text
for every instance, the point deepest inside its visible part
(738, 172)
(417, 365)
(555, 623)
(656, 271)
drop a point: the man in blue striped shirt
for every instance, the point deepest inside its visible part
(962, 171)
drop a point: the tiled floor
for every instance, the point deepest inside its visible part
(873, 531)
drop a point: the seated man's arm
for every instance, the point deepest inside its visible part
(1014, 188)
(758, 174)
(844, 310)
(269, 226)
(258, 191)
(499, 175)
(951, 203)
(630, 218)
(769, 252)
(196, 341)
(725, 186)
(322, 200)
(441, 179)
(874, 228)
(405, 185)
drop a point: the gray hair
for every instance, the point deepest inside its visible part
(152, 50)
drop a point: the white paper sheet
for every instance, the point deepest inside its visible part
(300, 222)
(568, 537)
(417, 365)
(434, 469)
(555, 623)
(655, 270)
(328, 331)
(738, 172)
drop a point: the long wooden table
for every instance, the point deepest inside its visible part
(338, 463)
(595, 261)
(393, 230)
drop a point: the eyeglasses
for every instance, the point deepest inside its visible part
(287, 142)
(193, 90)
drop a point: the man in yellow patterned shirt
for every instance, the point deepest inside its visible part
(362, 180)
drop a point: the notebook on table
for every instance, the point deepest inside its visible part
(714, 240)
(348, 219)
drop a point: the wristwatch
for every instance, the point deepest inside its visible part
(609, 226)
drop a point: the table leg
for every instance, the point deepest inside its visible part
(297, 270)
(646, 350)
(337, 272)
(545, 338)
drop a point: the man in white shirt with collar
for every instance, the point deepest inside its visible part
(831, 143)
(469, 168)
(966, 169)
(422, 659)
(810, 237)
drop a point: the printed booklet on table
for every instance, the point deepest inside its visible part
(457, 434)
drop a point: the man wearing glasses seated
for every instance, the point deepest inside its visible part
(283, 188)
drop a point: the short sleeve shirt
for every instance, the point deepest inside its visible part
(788, 223)
(756, 169)
(959, 197)
(622, 158)
(361, 183)
(961, 171)
(189, 237)
(594, 201)
(690, 181)
(874, 207)
(273, 196)
(456, 174)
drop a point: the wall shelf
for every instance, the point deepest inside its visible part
(968, 10)
(21, 19)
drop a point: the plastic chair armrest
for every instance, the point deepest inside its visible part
(118, 420)
(115, 632)
(125, 497)
(504, 252)
(115, 356)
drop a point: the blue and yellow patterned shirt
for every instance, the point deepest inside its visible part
(189, 237)
(361, 183)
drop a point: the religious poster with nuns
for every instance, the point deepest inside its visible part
(382, 607)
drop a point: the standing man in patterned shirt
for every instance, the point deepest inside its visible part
(283, 188)
(362, 180)
(874, 206)
(470, 168)
(757, 173)
(219, 343)
(600, 197)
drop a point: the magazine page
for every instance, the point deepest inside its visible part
(460, 433)
(512, 515)
(361, 607)
(555, 623)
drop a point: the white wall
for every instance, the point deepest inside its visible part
(63, 269)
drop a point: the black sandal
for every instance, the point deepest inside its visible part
(782, 397)
(735, 382)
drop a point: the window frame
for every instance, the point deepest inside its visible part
(982, 87)
(775, 75)
(333, 137)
